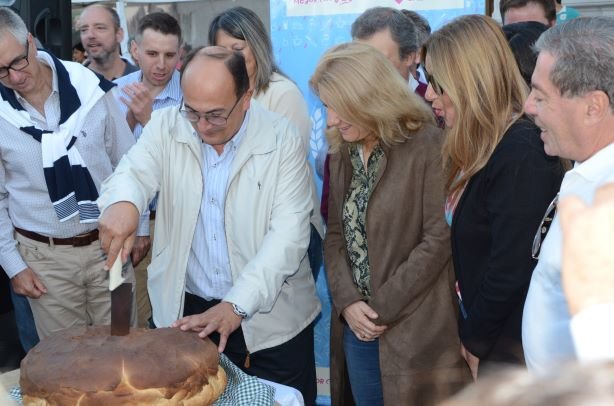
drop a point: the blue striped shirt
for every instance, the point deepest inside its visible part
(208, 270)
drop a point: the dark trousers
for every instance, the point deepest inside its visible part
(291, 363)
(25, 321)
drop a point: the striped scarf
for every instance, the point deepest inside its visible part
(71, 187)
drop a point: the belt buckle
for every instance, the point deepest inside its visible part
(82, 240)
(79, 242)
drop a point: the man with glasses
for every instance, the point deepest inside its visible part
(571, 101)
(232, 225)
(61, 135)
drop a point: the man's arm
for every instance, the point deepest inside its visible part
(134, 182)
(10, 259)
(23, 279)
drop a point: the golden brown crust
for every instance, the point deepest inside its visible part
(88, 366)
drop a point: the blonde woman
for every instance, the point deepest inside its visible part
(387, 252)
(499, 182)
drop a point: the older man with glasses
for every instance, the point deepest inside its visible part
(61, 135)
(571, 101)
(232, 225)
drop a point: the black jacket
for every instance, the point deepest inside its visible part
(492, 233)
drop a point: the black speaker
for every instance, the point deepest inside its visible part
(50, 21)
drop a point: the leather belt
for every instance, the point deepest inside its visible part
(81, 240)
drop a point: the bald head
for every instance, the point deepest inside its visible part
(232, 61)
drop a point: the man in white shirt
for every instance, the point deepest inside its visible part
(232, 225)
(571, 101)
(154, 86)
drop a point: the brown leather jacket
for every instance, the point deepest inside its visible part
(411, 274)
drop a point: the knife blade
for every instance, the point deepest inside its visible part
(121, 298)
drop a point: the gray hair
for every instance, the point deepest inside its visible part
(377, 19)
(583, 49)
(11, 23)
(421, 25)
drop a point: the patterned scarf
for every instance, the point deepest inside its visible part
(70, 185)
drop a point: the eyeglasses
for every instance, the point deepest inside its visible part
(212, 118)
(434, 84)
(19, 64)
(544, 226)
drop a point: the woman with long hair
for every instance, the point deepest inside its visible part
(499, 182)
(387, 250)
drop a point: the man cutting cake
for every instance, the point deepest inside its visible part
(232, 225)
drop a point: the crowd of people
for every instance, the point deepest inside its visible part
(447, 155)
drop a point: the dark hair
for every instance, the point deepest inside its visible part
(243, 24)
(547, 5)
(521, 37)
(421, 25)
(377, 19)
(233, 60)
(160, 22)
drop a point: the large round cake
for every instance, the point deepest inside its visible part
(87, 366)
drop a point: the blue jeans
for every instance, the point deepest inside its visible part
(26, 329)
(362, 360)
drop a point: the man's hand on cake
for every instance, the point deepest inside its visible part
(27, 283)
(117, 226)
(220, 318)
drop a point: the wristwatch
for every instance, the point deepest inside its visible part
(238, 311)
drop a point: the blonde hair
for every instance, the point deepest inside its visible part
(471, 60)
(361, 85)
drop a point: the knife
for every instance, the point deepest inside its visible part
(121, 298)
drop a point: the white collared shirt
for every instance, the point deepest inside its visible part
(208, 271)
(546, 335)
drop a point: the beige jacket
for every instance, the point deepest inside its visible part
(267, 213)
